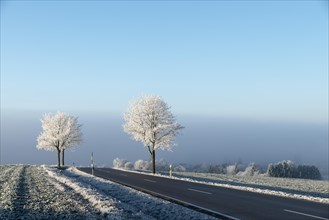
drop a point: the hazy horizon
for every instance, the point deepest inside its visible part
(207, 140)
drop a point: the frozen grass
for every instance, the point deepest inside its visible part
(9, 178)
(116, 201)
(101, 203)
(27, 192)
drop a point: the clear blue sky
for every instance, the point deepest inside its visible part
(241, 59)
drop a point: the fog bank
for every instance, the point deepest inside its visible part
(204, 140)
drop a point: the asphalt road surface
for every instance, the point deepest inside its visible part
(221, 202)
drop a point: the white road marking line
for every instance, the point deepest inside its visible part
(195, 190)
(152, 181)
(300, 213)
(123, 174)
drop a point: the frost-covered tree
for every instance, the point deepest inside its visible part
(232, 169)
(308, 172)
(59, 132)
(129, 166)
(284, 168)
(220, 169)
(288, 169)
(180, 168)
(251, 170)
(119, 163)
(142, 165)
(150, 121)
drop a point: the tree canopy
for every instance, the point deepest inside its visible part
(59, 132)
(150, 121)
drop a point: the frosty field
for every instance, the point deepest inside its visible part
(41, 192)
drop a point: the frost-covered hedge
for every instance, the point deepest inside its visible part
(288, 169)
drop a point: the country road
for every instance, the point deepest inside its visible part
(222, 202)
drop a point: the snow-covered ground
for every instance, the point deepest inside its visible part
(42, 192)
(27, 192)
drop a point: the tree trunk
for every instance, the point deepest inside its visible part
(62, 157)
(153, 161)
(58, 157)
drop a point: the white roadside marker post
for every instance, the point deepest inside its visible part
(170, 170)
(92, 164)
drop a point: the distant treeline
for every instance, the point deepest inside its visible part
(283, 169)
(287, 169)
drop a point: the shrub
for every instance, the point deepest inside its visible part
(308, 172)
(287, 169)
(179, 168)
(129, 166)
(220, 169)
(119, 163)
(232, 169)
(142, 165)
(251, 170)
